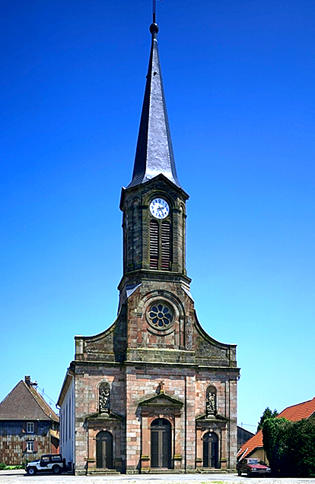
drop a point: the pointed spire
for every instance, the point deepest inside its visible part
(154, 153)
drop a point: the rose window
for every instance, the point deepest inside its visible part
(160, 316)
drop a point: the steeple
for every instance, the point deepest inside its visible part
(154, 153)
(153, 204)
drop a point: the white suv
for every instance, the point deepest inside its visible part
(49, 462)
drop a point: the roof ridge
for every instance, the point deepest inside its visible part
(21, 381)
(33, 396)
(296, 405)
(41, 402)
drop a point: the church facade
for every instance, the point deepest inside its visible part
(154, 392)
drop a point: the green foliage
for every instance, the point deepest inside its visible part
(290, 446)
(267, 414)
(275, 442)
(4, 467)
(301, 445)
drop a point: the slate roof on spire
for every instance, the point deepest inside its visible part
(154, 154)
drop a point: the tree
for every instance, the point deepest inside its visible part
(301, 445)
(267, 414)
(289, 446)
(275, 436)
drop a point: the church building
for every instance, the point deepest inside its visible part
(153, 392)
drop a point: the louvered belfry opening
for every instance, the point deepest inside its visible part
(165, 246)
(160, 245)
(154, 244)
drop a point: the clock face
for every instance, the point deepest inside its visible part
(159, 208)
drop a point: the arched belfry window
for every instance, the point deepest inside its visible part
(160, 245)
(154, 244)
(104, 397)
(165, 246)
(211, 401)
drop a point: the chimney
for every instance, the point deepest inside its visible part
(27, 380)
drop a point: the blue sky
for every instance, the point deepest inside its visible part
(239, 78)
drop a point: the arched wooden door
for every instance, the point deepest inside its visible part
(104, 450)
(210, 450)
(161, 443)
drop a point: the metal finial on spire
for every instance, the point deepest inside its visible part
(154, 27)
(154, 154)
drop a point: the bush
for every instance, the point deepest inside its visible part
(290, 446)
(275, 443)
(301, 445)
(4, 467)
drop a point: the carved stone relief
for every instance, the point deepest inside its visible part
(211, 401)
(104, 398)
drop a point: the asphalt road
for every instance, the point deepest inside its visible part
(18, 477)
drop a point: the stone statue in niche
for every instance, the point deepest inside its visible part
(104, 398)
(211, 402)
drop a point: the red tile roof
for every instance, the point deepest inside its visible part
(293, 413)
(299, 411)
(252, 444)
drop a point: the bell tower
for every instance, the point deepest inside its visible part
(153, 204)
(153, 389)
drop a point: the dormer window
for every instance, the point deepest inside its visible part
(29, 427)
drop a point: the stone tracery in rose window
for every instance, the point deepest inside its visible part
(160, 315)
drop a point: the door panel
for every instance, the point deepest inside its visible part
(211, 450)
(104, 450)
(161, 443)
(154, 448)
(165, 438)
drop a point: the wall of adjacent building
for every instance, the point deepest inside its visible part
(13, 441)
(260, 454)
(67, 432)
